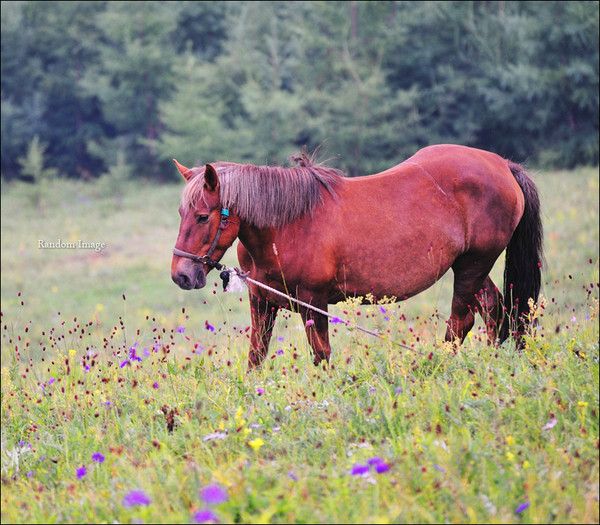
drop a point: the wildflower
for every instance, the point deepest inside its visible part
(582, 404)
(30, 474)
(214, 435)
(51, 380)
(99, 307)
(398, 390)
(132, 353)
(209, 326)
(551, 424)
(214, 494)
(255, 444)
(72, 352)
(292, 476)
(81, 472)
(359, 470)
(280, 338)
(438, 468)
(146, 352)
(98, 457)
(522, 507)
(260, 391)
(382, 467)
(279, 351)
(308, 323)
(180, 329)
(135, 498)
(382, 310)
(205, 516)
(510, 440)
(155, 385)
(374, 461)
(335, 320)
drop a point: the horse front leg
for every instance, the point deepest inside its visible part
(263, 314)
(317, 331)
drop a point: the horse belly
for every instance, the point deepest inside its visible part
(400, 276)
(404, 252)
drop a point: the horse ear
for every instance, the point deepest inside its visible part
(186, 173)
(211, 179)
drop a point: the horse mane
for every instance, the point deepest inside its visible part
(268, 196)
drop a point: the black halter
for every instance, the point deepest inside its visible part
(205, 259)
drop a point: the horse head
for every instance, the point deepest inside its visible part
(206, 230)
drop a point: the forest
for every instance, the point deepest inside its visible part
(90, 88)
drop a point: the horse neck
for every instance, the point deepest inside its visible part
(258, 242)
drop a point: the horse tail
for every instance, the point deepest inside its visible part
(524, 254)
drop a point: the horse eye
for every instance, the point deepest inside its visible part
(202, 219)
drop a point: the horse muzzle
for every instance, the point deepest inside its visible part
(192, 279)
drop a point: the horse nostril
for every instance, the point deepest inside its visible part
(183, 281)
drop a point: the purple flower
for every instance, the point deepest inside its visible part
(382, 310)
(214, 494)
(124, 363)
(146, 352)
(155, 385)
(30, 474)
(522, 507)
(209, 326)
(260, 391)
(359, 470)
(135, 498)
(280, 338)
(335, 320)
(438, 468)
(132, 355)
(279, 351)
(292, 476)
(205, 516)
(382, 467)
(98, 457)
(374, 461)
(180, 329)
(81, 472)
(398, 390)
(51, 380)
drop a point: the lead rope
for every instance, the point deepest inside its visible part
(241, 275)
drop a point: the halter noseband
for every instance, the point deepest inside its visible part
(205, 259)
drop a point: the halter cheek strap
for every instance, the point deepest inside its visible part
(206, 258)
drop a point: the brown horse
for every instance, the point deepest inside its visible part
(321, 237)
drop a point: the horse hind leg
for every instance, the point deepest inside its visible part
(470, 279)
(490, 303)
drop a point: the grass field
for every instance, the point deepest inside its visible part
(114, 380)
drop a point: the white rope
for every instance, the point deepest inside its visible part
(348, 324)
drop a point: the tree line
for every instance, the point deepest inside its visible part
(99, 87)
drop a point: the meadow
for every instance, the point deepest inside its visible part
(126, 399)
